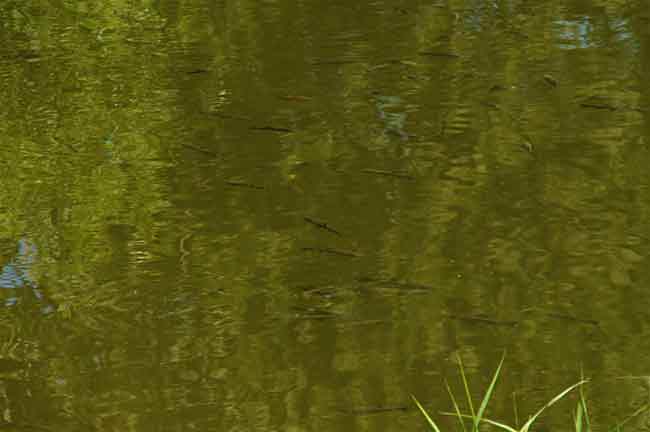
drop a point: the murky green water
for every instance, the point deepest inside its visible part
(291, 215)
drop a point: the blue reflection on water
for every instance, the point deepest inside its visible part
(17, 279)
(575, 33)
(580, 33)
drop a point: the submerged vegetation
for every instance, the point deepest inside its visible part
(475, 418)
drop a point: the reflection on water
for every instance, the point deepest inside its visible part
(581, 32)
(293, 216)
(575, 33)
(16, 280)
(15, 274)
(394, 121)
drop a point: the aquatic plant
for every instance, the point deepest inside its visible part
(581, 421)
(477, 417)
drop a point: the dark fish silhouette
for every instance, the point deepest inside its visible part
(272, 129)
(322, 225)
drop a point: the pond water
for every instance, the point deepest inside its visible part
(294, 215)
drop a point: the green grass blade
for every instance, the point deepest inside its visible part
(426, 415)
(468, 395)
(514, 407)
(486, 420)
(639, 411)
(583, 402)
(499, 425)
(488, 395)
(453, 400)
(550, 403)
(578, 417)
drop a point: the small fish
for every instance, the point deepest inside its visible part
(229, 116)
(598, 106)
(244, 184)
(449, 55)
(374, 409)
(353, 324)
(388, 173)
(480, 319)
(527, 144)
(295, 98)
(310, 313)
(490, 104)
(315, 317)
(407, 63)
(334, 62)
(197, 71)
(497, 87)
(395, 284)
(548, 79)
(200, 150)
(272, 129)
(560, 315)
(332, 252)
(322, 225)
(572, 318)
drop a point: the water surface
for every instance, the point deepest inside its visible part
(291, 216)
